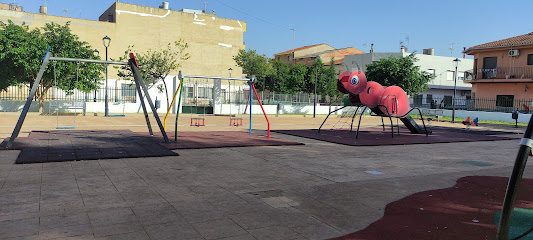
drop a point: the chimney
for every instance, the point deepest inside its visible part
(428, 51)
(372, 48)
(402, 49)
(164, 5)
(43, 10)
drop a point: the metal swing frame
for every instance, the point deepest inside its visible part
(139, 83)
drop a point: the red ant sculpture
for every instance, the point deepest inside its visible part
(383, 101)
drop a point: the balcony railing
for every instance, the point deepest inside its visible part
(505, 73)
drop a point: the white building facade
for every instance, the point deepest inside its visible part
(441, 87)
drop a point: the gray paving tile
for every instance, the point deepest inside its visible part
(319, 232)
(219, 229)
(140, 235)
(292, 217)
(274, 233)
(64, 219)
(202, 216)
(240, 237)
(252, 220)
(112, 216)
(19, 208)
(172, 230)
(19, 228)
(65, 231)
(115, 229)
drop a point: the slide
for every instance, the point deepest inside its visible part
(412, 125)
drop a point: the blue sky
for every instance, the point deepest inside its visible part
(418, 24)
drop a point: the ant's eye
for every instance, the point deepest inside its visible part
(355, 80)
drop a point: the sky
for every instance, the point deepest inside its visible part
(447, 26)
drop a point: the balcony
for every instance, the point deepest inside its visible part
(505, 73)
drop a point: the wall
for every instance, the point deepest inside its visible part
(440, 64)
(492, 116)
(213, 41)
(490, 88)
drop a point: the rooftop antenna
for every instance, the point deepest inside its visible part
(205, 6)
(293, 33)
(451, 49)
(45, 2)
(364, 46)
(65, 11)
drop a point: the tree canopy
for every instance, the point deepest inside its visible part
(156, 64)
(22, 51)
(254, 64)
(401, 72)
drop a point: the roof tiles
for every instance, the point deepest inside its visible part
(526, 39)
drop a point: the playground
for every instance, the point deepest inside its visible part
(223, 182)
(284, 177)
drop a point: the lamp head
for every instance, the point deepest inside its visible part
(106, 40)
(456, 62)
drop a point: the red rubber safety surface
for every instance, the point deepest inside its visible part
(221, 139)
(464, 211)
(76, 145)
(378, 137)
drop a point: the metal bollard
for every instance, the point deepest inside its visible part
(514, 115)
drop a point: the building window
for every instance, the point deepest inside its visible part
(530, 59)
(460, 76)
(417, 100)
(429, 98)
(288, 58)
(490, 62)
(504, 100)
(128, 92)
(205, 92)
(189, 91)
(431, 71)
(449, 75)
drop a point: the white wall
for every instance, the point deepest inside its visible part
(493, 116)
(440, 64)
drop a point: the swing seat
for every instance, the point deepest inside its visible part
(234, 121)
(65, 127)
(197, 122)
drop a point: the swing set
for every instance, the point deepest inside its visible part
(250, 82)
(61, 104)
(139, 83)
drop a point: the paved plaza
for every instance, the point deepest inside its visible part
(318, 190)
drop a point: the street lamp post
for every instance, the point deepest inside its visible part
(314, 99)
(455, 63)
(106, 40)
(97, 54)
(229, 88)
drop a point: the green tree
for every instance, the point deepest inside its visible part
(254, 64)
(279, 78)
(328, 86)
(401, 72)
(23, 51)
(298, 73)
(156, 65)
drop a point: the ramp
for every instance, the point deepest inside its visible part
(413, 127)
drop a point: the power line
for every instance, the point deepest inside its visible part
(262, 20)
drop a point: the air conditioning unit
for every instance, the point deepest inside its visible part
(514, 52)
